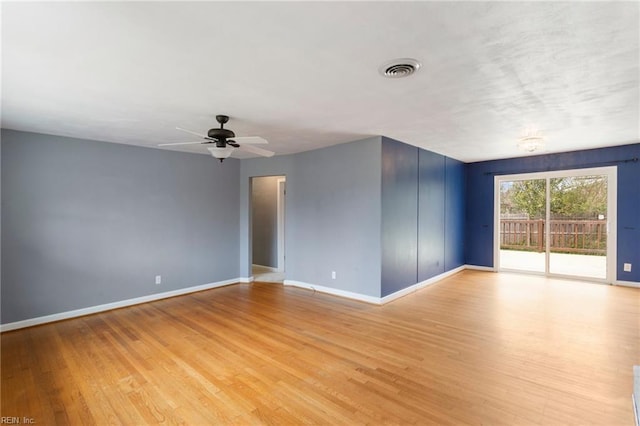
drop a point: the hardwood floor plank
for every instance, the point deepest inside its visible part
(475, 348)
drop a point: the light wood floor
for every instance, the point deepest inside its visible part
(479, 348)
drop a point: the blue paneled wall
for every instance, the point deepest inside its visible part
(431, 198)
(479, 199)
(422, 215)
(399, 216)
(454, 221)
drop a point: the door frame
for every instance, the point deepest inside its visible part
(280, 222)
(282, 192)
(612, 214)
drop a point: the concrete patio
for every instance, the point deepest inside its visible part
(581, 265)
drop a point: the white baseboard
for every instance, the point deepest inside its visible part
(480, 268)
(334, 291)
(372, 299)
(114, 305)
(627, 283)
(328, 290)
(635, 397)
(422, 284)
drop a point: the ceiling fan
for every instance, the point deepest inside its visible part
(223, 141)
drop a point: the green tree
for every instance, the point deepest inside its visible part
(582, 197)
(572, 197)
(529, 196)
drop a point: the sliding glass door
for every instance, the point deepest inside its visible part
(557, 223)
(578, 226)
(522, 216)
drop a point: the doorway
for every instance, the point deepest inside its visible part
(557, 223)
(267, 228)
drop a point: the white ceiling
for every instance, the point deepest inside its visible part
(305, 75)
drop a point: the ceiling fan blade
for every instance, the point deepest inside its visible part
(180, 143)
(256, 150)
(250, 139)
(193, 133)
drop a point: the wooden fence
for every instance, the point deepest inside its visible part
(567, 236)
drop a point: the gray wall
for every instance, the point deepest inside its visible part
(88, 223)
(336, 217)
(264, 220)
(332, 214)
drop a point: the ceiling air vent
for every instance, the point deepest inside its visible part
(399, 68)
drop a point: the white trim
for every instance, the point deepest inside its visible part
(372, 299)
(496, 223)
(398, 294)
(635, 396)
(481, 268)
(547, 227)
(627, 283)
(280, 213)
(334, 291)
(328, 290)
(559, 173)
(612, 224)
(114, 305)
(611, 172)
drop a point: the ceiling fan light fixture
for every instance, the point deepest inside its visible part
(399, 68)
(221, 153)
(531, 140)
(219, 143)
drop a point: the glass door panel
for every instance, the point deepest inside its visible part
(578, 226)
(522, 225)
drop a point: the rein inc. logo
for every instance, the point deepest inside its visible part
(5, 420)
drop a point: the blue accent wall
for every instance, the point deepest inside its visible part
(423, 215)
(399, 216)
(454, 222)
(431, 214)
(479, 199)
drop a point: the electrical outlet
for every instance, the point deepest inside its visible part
(333, 275)
(627, 267)
(158, 279)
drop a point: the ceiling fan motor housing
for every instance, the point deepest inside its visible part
(221, 134)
